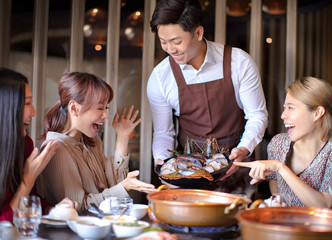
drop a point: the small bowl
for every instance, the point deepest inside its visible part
(90, 227)
(123, 218)
(63, 212)
(126, 229)
(139, 210)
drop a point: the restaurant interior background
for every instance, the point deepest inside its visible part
(111, 38)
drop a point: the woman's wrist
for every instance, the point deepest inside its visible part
(282, 169)
(23, 190)
(28, 182)
(122, 139)
(121, 146)
(125, 185)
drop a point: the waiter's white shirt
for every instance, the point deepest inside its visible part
(162, 92)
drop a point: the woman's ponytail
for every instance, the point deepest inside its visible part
(55, 119)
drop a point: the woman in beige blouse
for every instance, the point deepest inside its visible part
(79, 169)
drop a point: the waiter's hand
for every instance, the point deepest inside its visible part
(158, 161)
(237, 155)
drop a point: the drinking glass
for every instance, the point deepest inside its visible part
(118, 205)
(27, 216)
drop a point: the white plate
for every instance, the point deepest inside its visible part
(48, 222)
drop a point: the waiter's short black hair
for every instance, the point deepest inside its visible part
(186, 13)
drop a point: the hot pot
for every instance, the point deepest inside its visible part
(197, 208)
(296, 223)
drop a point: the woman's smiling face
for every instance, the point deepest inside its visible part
(88, 122)
(298, 119)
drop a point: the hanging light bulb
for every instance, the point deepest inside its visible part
(238, 8)
(95, 27)
(133, 29)
(274, 7)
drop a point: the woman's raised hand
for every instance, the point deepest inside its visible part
(36, 163)
(125, 124)
(132, 183)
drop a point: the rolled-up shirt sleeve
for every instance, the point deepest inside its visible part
(250, 98)
(162, 116)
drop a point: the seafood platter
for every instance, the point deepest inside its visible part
(196, 167)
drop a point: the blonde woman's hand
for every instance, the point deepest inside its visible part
(132, 183)
(125, 124)
(260, 169)
(36, 163)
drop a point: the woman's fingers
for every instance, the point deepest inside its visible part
(115, 119)
(254, 181)
(49, 150)
(149, 190)
(133, 174)
(244, 164)
(138, 185)
(129, 115)
(41, 161)
(260, 169)
(70, 202)
(136, 122)
(257, 171)
(123, 112)
(130, 111)
(134, 116)
(33, 154)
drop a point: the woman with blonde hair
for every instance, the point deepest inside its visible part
(300, 161)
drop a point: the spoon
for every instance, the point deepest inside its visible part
(124, 210)
(95, 207)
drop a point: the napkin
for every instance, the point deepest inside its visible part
(273, 201)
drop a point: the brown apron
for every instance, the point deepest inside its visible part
(209, 109)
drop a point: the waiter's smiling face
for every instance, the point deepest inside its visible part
(184, 47)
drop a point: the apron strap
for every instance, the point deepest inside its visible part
(227, 62)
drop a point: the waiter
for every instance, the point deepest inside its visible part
(214, 90)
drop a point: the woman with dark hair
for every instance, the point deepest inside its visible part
(79, 169)
(20, 161)
(300, 161)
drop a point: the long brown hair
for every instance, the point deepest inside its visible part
(85, 89)
(12, 140)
